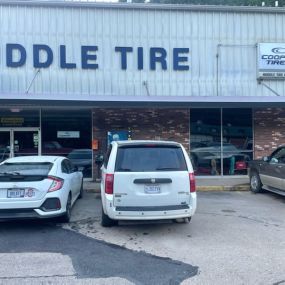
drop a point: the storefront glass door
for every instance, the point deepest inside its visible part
(5, 142)
(19, 142)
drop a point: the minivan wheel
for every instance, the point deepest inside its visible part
(255, 183)
(106, 221)
(182, 220)
(187, 220)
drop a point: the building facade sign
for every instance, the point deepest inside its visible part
(43, 57)
(271, 60)
(130, 55)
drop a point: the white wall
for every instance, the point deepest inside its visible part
(200, 31)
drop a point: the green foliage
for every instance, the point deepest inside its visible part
(215, 2)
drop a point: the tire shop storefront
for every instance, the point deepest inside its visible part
(75, 76)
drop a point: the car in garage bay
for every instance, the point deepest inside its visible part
(38, 187)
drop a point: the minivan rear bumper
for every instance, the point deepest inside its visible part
(152, 212)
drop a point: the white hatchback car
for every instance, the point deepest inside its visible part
(147, 180)
(38, 187)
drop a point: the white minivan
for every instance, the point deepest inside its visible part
(147, 180)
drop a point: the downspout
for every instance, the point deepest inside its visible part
(217, 71)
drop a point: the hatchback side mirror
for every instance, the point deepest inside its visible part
(99, 158)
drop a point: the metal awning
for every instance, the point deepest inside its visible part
(57, 100)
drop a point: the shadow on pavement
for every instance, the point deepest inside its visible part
(92, 258)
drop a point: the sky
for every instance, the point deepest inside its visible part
(98, 0)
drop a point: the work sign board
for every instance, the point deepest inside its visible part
(271, 61)
(68, 134)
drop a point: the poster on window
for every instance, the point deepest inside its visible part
(68, 134)
(118, 136)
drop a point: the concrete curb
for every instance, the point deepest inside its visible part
(244, 187)
(92, 190)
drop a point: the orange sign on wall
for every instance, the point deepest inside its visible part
(95, 144)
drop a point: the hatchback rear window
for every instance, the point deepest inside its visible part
(150, 158)
(26, 168)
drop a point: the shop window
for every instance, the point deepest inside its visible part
(205, 141)
(220, 141)
(68, 133)
(237, 140)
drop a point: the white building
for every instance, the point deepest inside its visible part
(211, 77)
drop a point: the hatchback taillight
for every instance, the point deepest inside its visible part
(192, 182)
(109, 183)
(56, 184)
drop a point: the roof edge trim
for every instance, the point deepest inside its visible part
(148, 6)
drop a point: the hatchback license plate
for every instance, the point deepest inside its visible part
(16, 193)
(152, 189)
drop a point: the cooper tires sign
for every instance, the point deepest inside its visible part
(271, 61)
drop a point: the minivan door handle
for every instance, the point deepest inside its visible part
(152, 181)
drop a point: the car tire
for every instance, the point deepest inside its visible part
(255, 183)
(106, 221)
(81, 191)
(67, 215)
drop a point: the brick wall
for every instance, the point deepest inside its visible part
(269, 130)
(157, 124)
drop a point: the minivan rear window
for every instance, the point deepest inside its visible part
(150, 158)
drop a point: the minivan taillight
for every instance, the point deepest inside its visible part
(192, 182)
(56, 184)
(109, 183)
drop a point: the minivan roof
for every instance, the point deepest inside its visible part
(144, 142)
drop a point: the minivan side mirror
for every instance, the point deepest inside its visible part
(265, 158)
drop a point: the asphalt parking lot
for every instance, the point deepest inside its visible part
(235, 237)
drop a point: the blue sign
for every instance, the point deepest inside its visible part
(118, 136)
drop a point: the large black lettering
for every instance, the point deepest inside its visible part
(37, 50)
(158, 55)
(87, 55)
(63, 63)
(178, 59)
(11, 49)
(124, 51)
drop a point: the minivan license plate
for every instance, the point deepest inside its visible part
(152, 189)
(16, 193)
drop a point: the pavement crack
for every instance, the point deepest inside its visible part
(279, 282)
(242, 217)
(37, 277)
